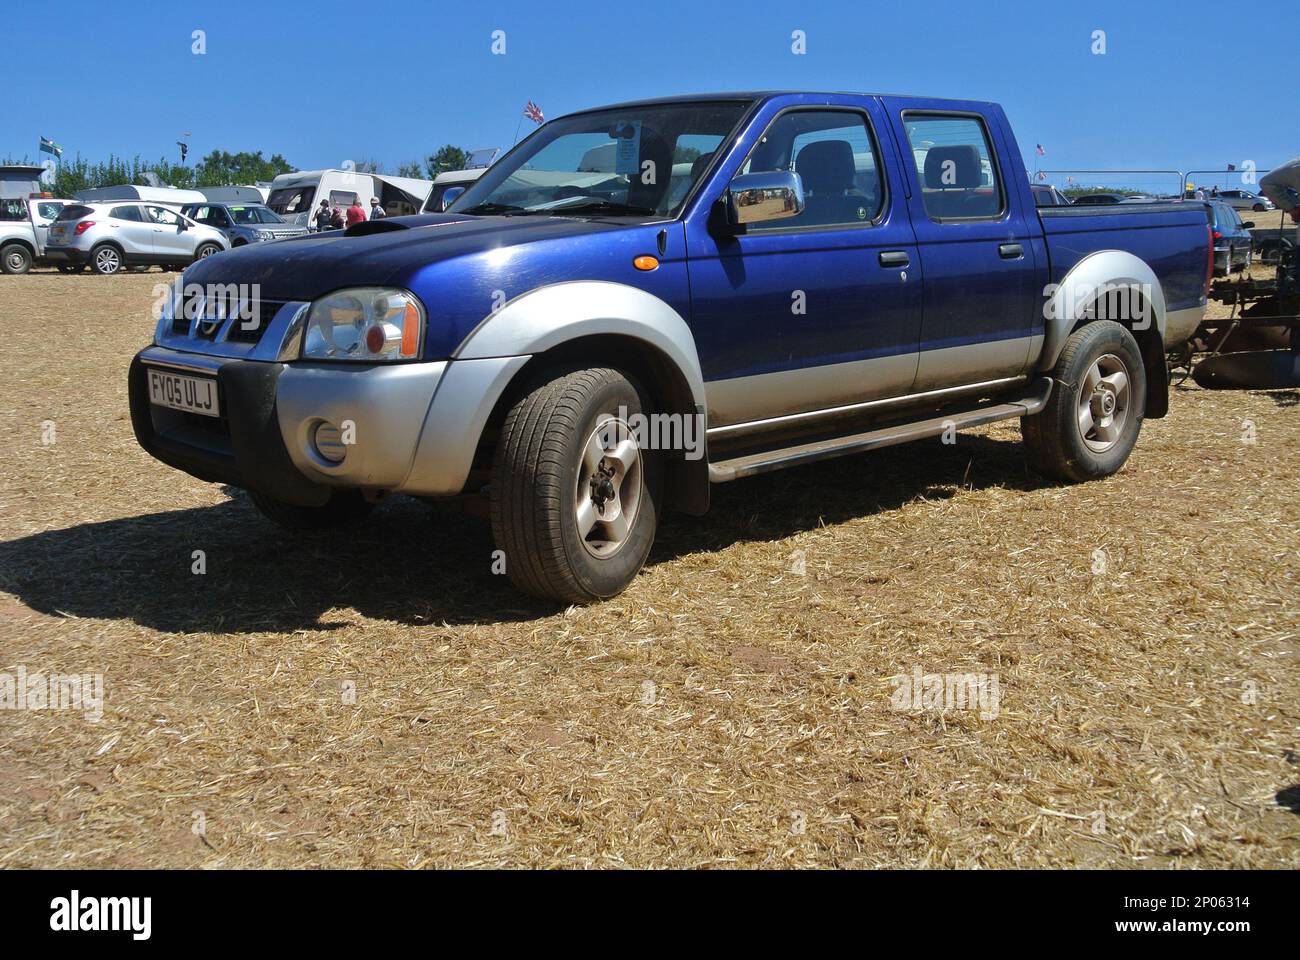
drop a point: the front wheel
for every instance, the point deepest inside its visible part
(1092, 420)
(574, 496)
(205, 250)
(344, 507)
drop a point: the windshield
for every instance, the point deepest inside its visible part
(635, 161)
(253, 215)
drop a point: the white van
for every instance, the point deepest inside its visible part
(294, 196)
(174, 197)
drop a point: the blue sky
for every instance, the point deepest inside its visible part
(1180, 85)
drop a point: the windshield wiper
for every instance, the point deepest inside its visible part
(601, 206)
(487, 209)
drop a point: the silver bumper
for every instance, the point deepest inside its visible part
(405, 428)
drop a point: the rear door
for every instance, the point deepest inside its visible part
(981, 251)
(817, 310)
(132, 230)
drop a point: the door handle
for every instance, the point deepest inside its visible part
(894, 258)
(1011, 251)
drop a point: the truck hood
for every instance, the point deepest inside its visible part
(379, 253)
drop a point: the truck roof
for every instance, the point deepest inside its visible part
(757, 95)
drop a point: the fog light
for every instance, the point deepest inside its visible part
(329, 442)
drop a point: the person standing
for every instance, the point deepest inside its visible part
(336, 217)
(355, 213)
(322, 218)
(376, 211)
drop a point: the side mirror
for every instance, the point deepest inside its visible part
(450, 197)
(1248, 225)
(759, 197)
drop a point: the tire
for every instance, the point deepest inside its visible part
(1059, 442)
(206, 250)
(106, 260)
(344, 507)
(71, 267)
(575, 521)
(15, 258)
(1258, 208)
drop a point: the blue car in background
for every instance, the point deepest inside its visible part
(643, 300)
(1233, 245)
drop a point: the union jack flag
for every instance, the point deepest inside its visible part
(534, 113)
(1041, 151)
(1042, 174)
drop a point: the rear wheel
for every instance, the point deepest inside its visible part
(15, 258)
(574, 497)
(106, 260)
(342, 508)
(1092, 420)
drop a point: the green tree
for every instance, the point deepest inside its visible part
(448, 158)
(412, 169)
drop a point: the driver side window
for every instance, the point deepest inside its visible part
(834, 154)
(168, 218)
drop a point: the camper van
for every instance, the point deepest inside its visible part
(173, 197)
(295, 195)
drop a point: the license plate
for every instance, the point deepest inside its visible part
(179, 392)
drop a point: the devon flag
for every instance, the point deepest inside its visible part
(49, 146)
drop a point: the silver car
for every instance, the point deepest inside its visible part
(243, 223)
(1243, 200)
(111, 236)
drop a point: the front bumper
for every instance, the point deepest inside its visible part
(408, 428)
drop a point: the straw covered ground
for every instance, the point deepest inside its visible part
(383, 699)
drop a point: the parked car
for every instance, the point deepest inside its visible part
(243, 223)
(1046, 195)
(112, 236)
(1097, 199)
(1244, 200)
(589, 350)
(449, 185)
(1232, 239)
(24, 226)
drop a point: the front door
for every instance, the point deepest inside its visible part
(170, 236)
(819, 310)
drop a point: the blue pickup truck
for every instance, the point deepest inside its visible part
(642, 300)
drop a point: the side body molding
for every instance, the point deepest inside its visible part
(1094, 274)
(484, 364)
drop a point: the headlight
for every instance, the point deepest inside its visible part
(264, 235)
(367, 324)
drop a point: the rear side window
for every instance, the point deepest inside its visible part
(74, 211)
(48, 211)
(954, 160)
(126, 213)
(835, 157)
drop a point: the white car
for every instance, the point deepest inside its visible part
(1244, 200)
(112, 236)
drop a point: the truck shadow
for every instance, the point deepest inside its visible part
(412, 565)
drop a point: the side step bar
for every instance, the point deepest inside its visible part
(769, 460)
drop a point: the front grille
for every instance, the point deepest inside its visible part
(250, 318)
